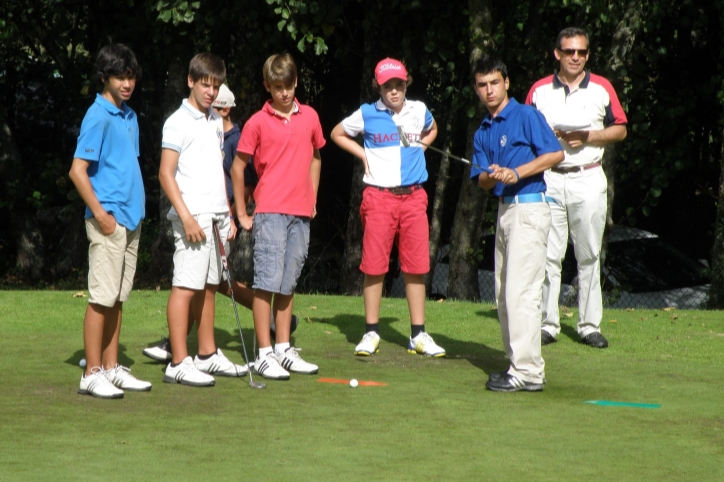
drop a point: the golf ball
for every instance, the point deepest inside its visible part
(82, 363)
(353, 383)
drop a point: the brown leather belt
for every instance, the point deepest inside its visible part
(568, 170)
(400, 190)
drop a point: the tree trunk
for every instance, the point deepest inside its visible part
(352, 278)
(467, 225)
(161, 267)
(29, 246)
(438, 205)
(716, 290)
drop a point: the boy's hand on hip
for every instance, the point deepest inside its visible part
(107, 223)
(193, 231)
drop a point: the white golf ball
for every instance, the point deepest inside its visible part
(82, 363)
(353, 383)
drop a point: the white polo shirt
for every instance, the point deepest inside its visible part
(593, 103)
(200, 173)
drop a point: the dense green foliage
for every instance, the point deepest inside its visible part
(664, 59)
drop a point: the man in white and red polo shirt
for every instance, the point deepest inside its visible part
(584, 111)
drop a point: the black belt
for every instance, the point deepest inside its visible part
(568, 170)
(399, 190)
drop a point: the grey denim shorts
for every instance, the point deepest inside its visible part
(281, 243)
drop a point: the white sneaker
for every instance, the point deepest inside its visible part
(425, 345)
(97, 385)
(186, 373)
(160, 352)
(121, 377)
(218, 364)
(291, 361)
(369, 345)
(269, 367)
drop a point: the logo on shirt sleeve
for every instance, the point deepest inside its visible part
(88, 149)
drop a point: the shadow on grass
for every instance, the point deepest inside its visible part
(477, 354)
(123, 359)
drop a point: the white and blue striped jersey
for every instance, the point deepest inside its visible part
(390, 163)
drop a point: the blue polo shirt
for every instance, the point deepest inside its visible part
(109, 141)
(516, 136)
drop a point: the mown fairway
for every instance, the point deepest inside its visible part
(433, 421)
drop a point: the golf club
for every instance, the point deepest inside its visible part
(406, 142)
(225, 267)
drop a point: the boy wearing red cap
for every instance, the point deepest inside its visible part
(394, 204)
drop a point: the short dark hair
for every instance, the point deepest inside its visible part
(569, 32)
(118, 60)
(487, 64)
(207, 66)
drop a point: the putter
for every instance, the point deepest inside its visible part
(225, 266)
(406, 143)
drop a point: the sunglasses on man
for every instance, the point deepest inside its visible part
(581, 52)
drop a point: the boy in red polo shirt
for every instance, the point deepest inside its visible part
(284, 137)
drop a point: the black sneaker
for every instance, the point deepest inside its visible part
(595, 339)
(546, 338)
(273, 327)
(509, 383)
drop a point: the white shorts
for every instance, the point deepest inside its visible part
(198, 264)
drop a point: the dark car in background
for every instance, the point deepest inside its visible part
(640, 271)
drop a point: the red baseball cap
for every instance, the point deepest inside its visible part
(390, 69)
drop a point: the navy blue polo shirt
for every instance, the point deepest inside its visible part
(231, 140)
(516, 136)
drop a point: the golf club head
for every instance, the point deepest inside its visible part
(403, 136)
(257, 384)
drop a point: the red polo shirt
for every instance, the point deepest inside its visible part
(283, 151)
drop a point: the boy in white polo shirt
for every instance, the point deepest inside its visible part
(192, 176)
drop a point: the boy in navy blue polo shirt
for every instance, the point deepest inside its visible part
(515, 145)
(106, 174)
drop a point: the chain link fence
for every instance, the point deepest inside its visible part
(640, 270)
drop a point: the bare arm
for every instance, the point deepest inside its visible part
(167, 178)
(343, 140)
(315, 170)
(428, 137)
(601, 138)
(237, 183)
(79, 176)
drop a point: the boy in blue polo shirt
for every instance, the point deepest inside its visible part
(106, 174)
(515, 145)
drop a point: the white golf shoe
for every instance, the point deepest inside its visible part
(291, 361)
(218, 364)
(121, 377)
(269, 367)
(97, 385)
(370, 344)
(186, 373)
(425, 345)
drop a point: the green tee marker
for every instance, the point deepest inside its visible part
(608, 403)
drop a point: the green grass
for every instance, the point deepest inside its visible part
(433, 421)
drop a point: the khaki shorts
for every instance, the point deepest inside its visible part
(198, 264)
(111, 263)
